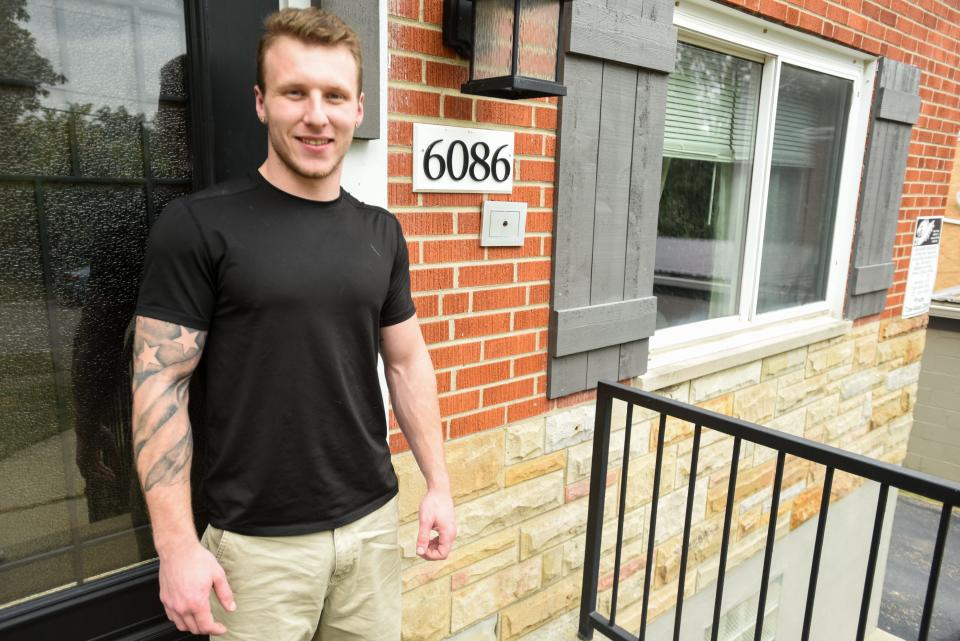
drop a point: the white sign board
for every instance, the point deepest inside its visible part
(923, 266)
(461, 159)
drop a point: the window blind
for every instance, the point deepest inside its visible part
(712, 101)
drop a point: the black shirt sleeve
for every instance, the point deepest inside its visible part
(398, 305)
(179, 280)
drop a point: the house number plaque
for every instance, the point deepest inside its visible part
(460, 159)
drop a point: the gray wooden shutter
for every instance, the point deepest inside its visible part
(608, 189)
(363, 16)
(896, 108)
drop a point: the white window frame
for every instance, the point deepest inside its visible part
(709, 25)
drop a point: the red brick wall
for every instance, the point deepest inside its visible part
(484, 311)
(923, 33)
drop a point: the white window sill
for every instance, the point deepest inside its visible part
(676, 364)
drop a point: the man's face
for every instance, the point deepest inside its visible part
(311, 105)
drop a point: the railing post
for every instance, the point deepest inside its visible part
(725, 540)
(872, 561)
(685, 546)
(768, 550)
(817, 551)
(935, 563)
(621, 510)
(598, 483)
(652, 534)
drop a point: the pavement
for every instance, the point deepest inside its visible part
(908, 571)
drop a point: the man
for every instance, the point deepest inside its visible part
(289, 287)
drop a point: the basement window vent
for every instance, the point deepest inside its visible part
(738, 622)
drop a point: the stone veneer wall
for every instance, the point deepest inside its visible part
(522, 490)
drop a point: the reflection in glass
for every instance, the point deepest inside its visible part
(804, 182)
(710, 129)
(93, 142)
(493, 40)
(539, 25)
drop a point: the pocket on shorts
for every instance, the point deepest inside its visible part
(214, 539)
(387, 526)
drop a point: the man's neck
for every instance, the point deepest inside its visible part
(319, 189)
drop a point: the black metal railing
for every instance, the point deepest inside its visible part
(784, 444)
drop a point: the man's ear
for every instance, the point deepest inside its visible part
(258, 104)
(359, 110)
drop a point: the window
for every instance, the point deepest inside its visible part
(93, 144)
(708, 158)
(763, 142)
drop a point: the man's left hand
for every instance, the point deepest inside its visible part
(436, 515)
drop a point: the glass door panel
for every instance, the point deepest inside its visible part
(94, 141)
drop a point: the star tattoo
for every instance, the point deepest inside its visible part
(187, 340)
(148, 356)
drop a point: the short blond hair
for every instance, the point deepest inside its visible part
(311, 26)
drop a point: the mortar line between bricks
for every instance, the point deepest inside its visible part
(413, 22)
(436, 120)
(491, 408)
(465, 236)
(419, 55)
(467, 315)
(481, 262)
(538, 157)
(407, 180)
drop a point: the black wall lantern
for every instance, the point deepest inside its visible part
(514, 46)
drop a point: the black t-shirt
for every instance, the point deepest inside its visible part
(293, 293)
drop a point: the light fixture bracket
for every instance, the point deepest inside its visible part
(458, 26)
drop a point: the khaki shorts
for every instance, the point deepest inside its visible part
(336, 585)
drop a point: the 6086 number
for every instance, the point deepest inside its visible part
(460, 161)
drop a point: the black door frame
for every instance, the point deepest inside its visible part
(227, 141)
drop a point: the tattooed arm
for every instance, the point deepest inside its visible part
(165, 356)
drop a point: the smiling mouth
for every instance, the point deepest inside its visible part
(315, 142)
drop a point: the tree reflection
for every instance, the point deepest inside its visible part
(76, 183)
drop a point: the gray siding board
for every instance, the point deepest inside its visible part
(633, 359)
(933, 466)
(935, 436)
(646, 167)
(363, 16)
(641, 245)
(568, 374)
(603, 364)
(934, 449)
(621, 34)
(577, 150)
(659, 11)
(885, 166)
(936, 399)
(866, 304)
(881, 198)
(597, 326)
(928, 414)
(943, 362)
(937, 382)
(576, 182)
(937, 431)
(619, 95)
(884, 201)
(899, 106)
(871, 278)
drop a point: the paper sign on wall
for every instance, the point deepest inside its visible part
(923, 266)
(461, 159)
